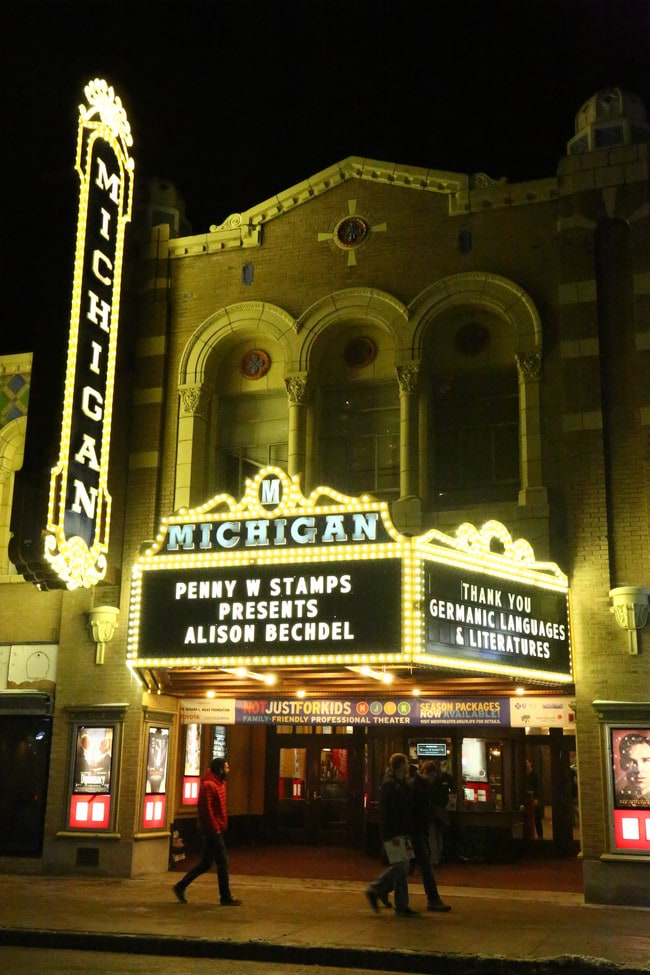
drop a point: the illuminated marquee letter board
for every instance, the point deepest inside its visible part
(277, 578)
(274, 578)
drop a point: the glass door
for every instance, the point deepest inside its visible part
(315, 794)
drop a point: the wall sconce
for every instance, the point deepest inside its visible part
(102, 621)
(630, 605)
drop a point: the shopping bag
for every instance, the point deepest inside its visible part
(399, 852)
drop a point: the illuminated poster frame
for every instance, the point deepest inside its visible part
(92, 776)
(292, 581)
(155, 798)
(192, 764)
(486, 605)
(628, 752)
(78, 520)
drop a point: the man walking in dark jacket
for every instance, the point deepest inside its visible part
(213, 821)
(422, 792)
(395, 819)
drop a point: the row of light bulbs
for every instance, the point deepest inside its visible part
(383, 676)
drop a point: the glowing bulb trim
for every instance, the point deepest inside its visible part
(78, 520)
(187, 543)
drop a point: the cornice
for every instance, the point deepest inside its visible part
(465, 194)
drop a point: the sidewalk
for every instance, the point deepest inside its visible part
(328, 923)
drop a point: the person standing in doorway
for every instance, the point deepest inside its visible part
(395, 820)
(213, 822)
(534, 799)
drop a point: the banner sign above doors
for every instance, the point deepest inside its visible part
(406, 711)
(538, 712)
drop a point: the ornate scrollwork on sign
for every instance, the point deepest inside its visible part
(296, 387)
(529, 365)
(103, 101)
(77, 532)
(73, 562)
(493, 540)
(407, 377)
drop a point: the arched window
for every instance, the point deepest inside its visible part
(357, 408)
(475, 437)
(471, 391)
(252, 433)
(359, 444)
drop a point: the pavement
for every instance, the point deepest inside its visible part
(327, 923)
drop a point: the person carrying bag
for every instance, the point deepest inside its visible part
(395, 820)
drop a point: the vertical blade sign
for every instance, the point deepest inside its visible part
(78, 522)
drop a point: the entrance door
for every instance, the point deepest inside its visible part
(315, 790)
(552, 792)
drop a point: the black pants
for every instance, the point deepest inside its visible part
(213, 851)
(422, 852)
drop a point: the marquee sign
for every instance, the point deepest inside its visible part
(487, 605)
(274, 579)
(77, 533)
(279, 579)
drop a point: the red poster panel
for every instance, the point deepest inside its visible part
(155, 806)
(632, 829)
(191, 790)
(90, 812)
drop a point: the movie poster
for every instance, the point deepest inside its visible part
(93, 760)
(631, 767)
(157, 760)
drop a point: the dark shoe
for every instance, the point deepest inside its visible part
(438, 906)
(372, 899)
(180, 893)
(386, 901)
(231, 902)
(406, 912)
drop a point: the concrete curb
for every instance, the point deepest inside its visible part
(369, 959)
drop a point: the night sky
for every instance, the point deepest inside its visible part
(235, 101)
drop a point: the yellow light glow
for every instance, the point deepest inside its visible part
(469, 549)
(76, 564)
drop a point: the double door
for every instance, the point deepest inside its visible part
(317, 799)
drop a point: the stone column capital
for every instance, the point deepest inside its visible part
(407, 376)
(529, 365)
(195, 400)
(296, 387)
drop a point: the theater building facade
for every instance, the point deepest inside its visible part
(378, 482)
